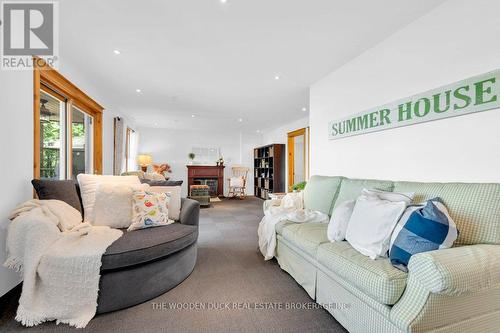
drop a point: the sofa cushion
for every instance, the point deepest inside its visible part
(140, 246)
(350, 189)
(376, 278)
(306, 236)
(281, 225)
(320, 193)
(474, 208)
(64, 190)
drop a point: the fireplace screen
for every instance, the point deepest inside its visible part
(210, 182)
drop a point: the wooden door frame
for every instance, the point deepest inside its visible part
(290, 152)
(44, 75)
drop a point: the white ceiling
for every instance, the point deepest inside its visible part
(218, 61)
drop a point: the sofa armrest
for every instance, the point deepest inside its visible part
(190, 212)
(459, 270)
(270, 203)
(461, 283)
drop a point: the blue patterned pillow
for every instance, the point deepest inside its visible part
(422, 228)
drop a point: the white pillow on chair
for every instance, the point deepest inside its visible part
(236, 182)
(88, 186)
(174, 205)
(113, 204)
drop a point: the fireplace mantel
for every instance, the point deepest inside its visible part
(207, 172)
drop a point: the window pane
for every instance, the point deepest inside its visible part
(81, 142)
(51, 137)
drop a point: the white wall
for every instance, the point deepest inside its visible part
(16, 149)
(279, 135)
(173, 146)
(455, 41)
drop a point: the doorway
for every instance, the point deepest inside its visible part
(298, 156)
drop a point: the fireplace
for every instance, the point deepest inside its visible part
(212, 184)
(210, 175)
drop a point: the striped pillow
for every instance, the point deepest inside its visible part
(422, 228)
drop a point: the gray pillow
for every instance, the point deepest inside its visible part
(64, 190)
(162, 182)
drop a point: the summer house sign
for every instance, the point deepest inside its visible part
(479, 93)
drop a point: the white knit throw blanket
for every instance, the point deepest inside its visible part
(60, 268)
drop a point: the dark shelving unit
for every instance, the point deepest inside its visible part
(269, 170)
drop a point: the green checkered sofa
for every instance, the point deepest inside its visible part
(452, 290)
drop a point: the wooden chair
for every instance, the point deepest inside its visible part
(238, 182)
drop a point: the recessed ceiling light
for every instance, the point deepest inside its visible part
(138, 91)
(116, 52)
(240, 120)
(223, 1)
(192, 116)
(156, 124)
(304, 109)
(276, 77)
(258, 131)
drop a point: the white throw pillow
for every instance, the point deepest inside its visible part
(373, 220)
(174, 208)
(337, 227)
(150, 210)
(88, 186)
(236, 182)
(113, 204)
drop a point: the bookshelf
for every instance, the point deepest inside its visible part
(269, 170)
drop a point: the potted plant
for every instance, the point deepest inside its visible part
(191, 157)
(298, 187)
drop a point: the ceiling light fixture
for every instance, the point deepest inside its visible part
(117, 52)
(138, 91)
(304, 109)
(192, 116)
(223, 1)
(276, 77)
(240, 120)
(258, 131)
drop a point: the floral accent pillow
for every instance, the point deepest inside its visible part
(149, 210)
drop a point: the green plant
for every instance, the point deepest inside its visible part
(299, 186)
(191, 156)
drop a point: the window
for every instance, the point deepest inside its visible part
(130, 150)
(52, 114)
(68, 130)
(82, 159)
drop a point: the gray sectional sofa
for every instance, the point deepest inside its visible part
(452, 290)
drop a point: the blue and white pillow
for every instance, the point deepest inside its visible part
(422, 228)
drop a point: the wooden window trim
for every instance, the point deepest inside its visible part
(43, 75)
(290, 147)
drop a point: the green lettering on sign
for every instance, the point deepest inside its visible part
(476, 94)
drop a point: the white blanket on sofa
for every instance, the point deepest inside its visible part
(60, 267)
(290, 208)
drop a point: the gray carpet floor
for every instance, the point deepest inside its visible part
(230, 276)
